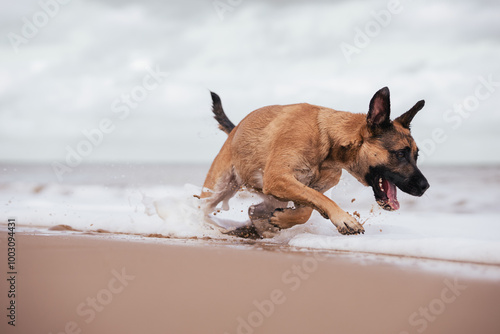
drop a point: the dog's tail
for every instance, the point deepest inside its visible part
(224, 123)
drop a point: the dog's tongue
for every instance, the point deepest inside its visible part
(391, 192)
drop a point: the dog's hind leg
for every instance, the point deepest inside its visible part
(225, 188)
(259, 214)
(272, 215)
(221, 182)
(288, 217)
(221, 190)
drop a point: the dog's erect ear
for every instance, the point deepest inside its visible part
(380, 109)
(407, 117)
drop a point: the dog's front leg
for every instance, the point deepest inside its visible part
(287, 188)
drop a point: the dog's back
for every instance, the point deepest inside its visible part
(267, 132)
(291, 132)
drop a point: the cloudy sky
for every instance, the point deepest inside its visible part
(129, 81)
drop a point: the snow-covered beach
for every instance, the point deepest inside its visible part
(458, 219)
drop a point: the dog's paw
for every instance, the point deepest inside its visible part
(265, 229)
(349, 225)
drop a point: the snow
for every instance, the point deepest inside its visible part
(458, 219)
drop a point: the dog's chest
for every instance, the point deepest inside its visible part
(307, 175)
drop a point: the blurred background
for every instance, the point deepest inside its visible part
(106, 82)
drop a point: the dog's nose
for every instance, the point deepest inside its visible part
(423, 184)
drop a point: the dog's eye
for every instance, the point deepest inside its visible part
(401, 155)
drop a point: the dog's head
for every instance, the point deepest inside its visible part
(388, 155)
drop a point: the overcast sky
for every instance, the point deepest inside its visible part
(140, 73)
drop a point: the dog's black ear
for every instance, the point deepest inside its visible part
(407, 117)
(380, 109)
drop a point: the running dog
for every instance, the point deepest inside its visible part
(294, 153)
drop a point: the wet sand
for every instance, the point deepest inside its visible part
(75, 283)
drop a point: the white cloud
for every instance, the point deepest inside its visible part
(67, 76)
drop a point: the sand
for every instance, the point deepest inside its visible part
(70, 282)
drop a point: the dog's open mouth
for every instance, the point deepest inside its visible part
(386, 194)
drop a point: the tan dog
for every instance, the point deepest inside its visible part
(297, 152)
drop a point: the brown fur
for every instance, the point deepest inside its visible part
(295, 153)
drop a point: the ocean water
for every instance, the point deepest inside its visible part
(458, 218)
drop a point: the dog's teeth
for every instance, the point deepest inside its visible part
(380, 184)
